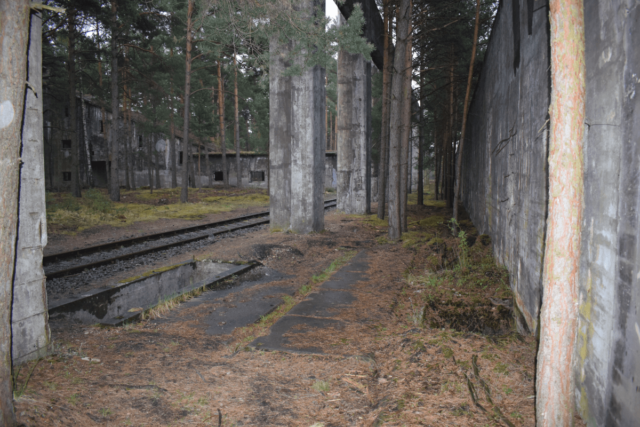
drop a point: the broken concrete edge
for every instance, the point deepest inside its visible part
(106, 292)
(206, 284)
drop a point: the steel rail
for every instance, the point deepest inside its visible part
(129, 242)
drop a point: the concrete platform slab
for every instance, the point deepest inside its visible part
(320, 309)
(277, 341)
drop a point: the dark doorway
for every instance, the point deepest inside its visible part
(217, 176)
(99, 174)
(257, 176)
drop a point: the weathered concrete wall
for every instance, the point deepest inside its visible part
(608, 347)
(30, 327)
(504, 162)
(296, 139)
(354, 133)
(505, 186)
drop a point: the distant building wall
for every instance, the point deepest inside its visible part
(505, 188)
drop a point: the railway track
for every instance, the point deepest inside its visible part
(78, 260)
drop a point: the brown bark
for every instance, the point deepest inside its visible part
(114, 184)
(465, 111)
(236, 122)
(223, 144)
(386, 97)
(149, 174)
(396, 122)
(449, 138)
(558, 316)
(184, 193)
(406, 127)
(14, 36)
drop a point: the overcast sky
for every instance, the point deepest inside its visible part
(331, 10)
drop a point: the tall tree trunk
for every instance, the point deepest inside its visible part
(87, 146)
(149, 174)
(184, 194)
(465, 110)
(554, 380)
(156, 155)
(396, 123)
(14, 41)
(246, 144)
(172, 142)
(208, 166)
(405, 171)
(132, 146)
(114, 184)
(127, 134)
(449, 136)
(73, 113)
(103, 114)
(236, 127)
(421, 144)
(223, 141)
(386, 98)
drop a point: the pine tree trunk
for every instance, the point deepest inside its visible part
(456, 196)
(236, 127)
(184, 194)
(114, 184)
(172, 141)
(558, 317)
(87, 147)
(149, 174)
(14, 41)
(73, 113)
(207, 166)
(127, 133)
(396, 122)
(421, 144)
(223, 141)
(405, 181)
(156, 156)
(386, 97)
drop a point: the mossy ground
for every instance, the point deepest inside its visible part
(69, 215)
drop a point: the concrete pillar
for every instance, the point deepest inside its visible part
(296, 140)
(30, 327)
(354, 134)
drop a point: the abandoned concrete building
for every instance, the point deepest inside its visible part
(505, 176)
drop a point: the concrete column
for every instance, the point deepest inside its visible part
(354, 133)
(279, 137)
(30, 327)
(296, 140)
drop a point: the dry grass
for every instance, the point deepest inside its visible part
(69, 215)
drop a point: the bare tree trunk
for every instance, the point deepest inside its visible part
(157, 159)
(87, 147)
(554, 380)
(236, 127)
(396, 123)
(127, 132)
(172, 141)
(207, 165)
(421, 144)
(386, 98)
(456, 196)
(73, 114)
(149, 174)
(132, 146)
(103, 114)
(449, 138)
(223, 142)
(14, 40)
(184, 194)
(114, 184)
(406, 133)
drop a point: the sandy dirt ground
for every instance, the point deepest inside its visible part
(396, 361)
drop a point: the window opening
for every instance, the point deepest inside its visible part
(66, 176)
(257, 176)
(217, 176)
(66, 144)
